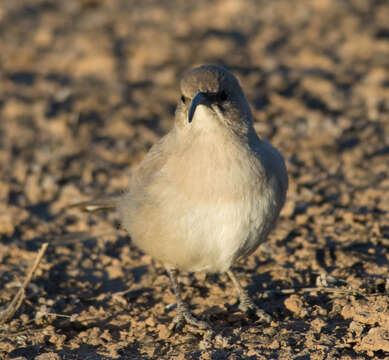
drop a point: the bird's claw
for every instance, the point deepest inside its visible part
(185, 317)
(247, 305)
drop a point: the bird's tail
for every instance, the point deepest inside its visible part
(97, 204)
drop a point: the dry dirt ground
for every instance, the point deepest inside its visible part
(86, 87)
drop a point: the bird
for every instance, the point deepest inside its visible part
(209, 192)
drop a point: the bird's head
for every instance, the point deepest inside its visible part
(209, 94)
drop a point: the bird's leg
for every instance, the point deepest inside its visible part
(245, 303)
(183, 313)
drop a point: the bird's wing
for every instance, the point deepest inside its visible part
(140, 177)
(150, 167)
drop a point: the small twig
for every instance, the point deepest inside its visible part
(313, 289)
(60, 315)
(17, 301)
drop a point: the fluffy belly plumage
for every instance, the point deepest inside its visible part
(212, 222)
(207, 235)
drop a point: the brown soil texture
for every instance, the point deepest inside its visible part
(87, 86)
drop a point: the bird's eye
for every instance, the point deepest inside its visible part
(223, 96)
(183, 99)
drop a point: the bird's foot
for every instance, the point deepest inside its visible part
(184, 316)
(248, 306)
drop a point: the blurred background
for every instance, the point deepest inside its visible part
(87, 86)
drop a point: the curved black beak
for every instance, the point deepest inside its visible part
(199, 98)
